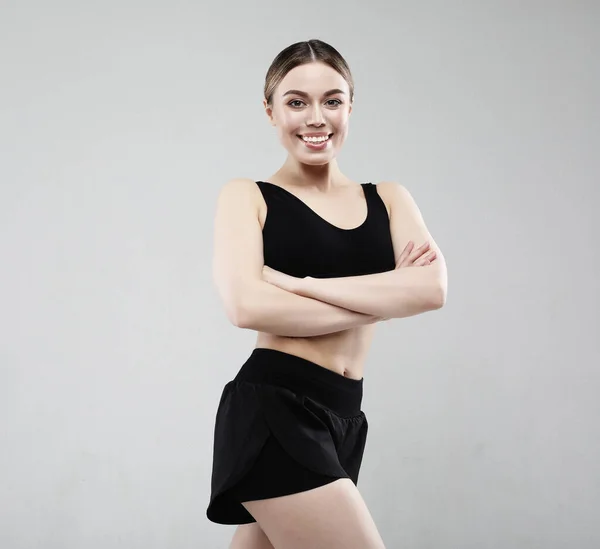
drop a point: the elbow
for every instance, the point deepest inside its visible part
(439, 286)
(237, 313)
(235, 316)
(438, 297)
(240, 317)
(232, 307)
(236, 299)
(240, 310)
(234, 310)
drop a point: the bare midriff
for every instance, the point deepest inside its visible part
(342, 352)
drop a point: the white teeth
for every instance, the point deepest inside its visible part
(315, 139)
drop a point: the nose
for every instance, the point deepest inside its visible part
(316, 117)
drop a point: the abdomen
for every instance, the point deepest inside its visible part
(342, 352)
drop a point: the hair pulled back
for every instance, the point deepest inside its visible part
(301, 53)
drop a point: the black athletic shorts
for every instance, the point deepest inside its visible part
(284, 425)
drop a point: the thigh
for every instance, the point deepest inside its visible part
(333, 516)
(250, 536)
(275, 473)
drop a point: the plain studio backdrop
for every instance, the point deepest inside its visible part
(120, 122)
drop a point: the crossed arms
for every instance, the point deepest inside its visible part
(273, 302)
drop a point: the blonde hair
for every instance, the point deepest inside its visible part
(301, 53)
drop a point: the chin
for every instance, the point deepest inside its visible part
(314, 161)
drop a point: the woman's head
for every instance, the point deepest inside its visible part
(309, 90)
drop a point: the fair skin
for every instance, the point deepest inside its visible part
(328, 321)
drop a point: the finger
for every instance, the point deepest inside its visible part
(420, 251)
(407, 249)
(405, 253)
(426, 260)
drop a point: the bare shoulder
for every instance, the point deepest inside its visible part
(242, 194)
(241, 187)
(389, 192)
(397, 197)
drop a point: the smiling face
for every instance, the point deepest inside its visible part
(310, 110)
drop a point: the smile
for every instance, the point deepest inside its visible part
(315, 140)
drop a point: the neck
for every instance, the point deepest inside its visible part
(322, 177)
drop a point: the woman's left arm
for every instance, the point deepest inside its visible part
(400, 293)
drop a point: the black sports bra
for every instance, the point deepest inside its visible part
(299, 242)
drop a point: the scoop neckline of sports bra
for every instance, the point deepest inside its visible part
(363, 185)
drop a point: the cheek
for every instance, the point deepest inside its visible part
(340, 126)
(342, 119)
(291, 122)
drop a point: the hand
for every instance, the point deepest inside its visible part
(281, 280)
(417, 258)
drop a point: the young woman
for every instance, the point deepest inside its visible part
(311, 260)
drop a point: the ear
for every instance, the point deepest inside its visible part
(269, 112)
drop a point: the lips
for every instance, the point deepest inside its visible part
(328, 135)
(315, 134)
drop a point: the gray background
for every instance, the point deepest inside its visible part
(119, 123)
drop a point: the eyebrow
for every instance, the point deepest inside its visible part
(304, 94)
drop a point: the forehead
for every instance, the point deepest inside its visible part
(313, 78)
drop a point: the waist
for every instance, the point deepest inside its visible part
(341, 394)
(344, 352)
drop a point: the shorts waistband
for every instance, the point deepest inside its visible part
(342, 395)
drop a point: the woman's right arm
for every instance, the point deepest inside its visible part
(238, 261)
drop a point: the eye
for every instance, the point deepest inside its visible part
(336, 103)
